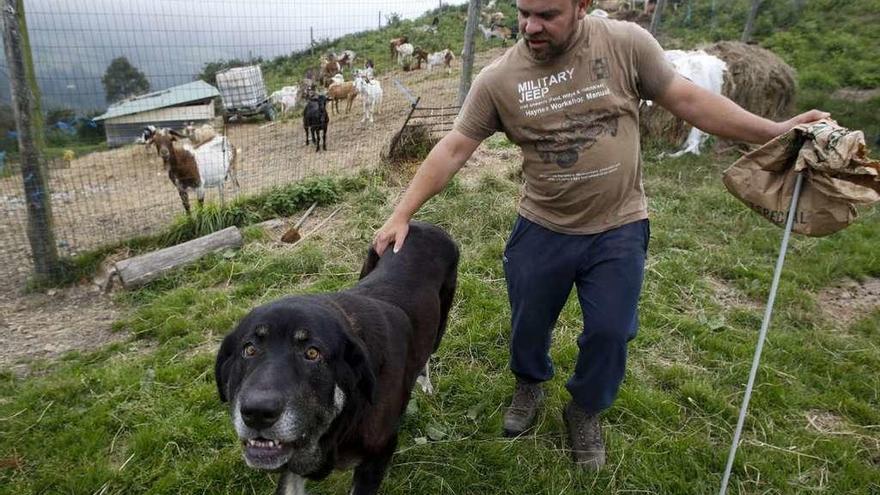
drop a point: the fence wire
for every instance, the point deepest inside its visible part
(106, 187)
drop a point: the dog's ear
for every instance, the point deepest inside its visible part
(356, 358)
(369, 263)
(223, 366)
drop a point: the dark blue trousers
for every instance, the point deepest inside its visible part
(607, 268)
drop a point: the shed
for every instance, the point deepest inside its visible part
(173, 107)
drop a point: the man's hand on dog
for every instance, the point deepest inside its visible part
(393, 232)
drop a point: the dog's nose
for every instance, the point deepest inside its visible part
(261, 409)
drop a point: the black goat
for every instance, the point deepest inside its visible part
(315, 120)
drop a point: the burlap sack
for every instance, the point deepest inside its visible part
(837, 176)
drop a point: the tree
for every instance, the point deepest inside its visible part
(122, 80)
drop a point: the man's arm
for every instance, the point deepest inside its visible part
(444, 160)
(717, 115)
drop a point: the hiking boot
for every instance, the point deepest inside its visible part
(585, 437)
(527, 399)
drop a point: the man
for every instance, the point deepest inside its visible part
(568, 95)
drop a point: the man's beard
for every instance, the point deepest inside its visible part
(550, 49)
(546, 52)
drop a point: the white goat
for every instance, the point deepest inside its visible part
(199, 135)
(286, 97)
(443, 57)
(371, 93)
(404, 54)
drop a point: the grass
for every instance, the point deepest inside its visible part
(143, 416)
(136, 418)
(281, 201)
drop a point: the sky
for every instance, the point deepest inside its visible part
(73, 41)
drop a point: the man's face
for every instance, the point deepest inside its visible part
(548, 25)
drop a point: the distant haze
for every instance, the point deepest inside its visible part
(170, 40)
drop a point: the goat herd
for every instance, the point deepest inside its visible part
(196, 158)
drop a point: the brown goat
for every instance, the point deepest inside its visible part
(329, 68)
(342, 91)
(393, 44)
(421, 56)
(186, 172)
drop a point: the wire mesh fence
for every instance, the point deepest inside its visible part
(108, 70)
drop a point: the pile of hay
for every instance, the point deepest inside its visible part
(756, 79)
(413, 144)
(638, 16)
(407, 150)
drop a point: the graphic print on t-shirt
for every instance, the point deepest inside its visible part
(564, 91)
(563, 146)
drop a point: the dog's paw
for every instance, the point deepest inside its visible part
(426, 385)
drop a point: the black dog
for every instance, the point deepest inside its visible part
(319, 382)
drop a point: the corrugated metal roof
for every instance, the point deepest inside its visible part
(176, 95)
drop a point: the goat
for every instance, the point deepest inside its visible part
(199, 135)
(308, 88)
(329, 67)
(286, 97)
(492, 18)
(368, 69)
(404, 58)
(346, 58)
(371, 92)
(342, 91)
(501, 32)
(315, 120)
(429, 28)
(145, 137)
(443, 57)
(420, 56)
(209, 165)
(393, 45)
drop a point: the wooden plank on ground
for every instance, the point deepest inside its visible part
(137, 271)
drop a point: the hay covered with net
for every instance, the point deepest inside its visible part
(756, 79)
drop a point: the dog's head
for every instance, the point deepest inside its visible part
(289, 370)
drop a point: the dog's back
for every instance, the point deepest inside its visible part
(425, 267)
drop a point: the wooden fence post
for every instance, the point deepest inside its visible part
(467, 57)
(658, 14)
(29, 124)
(750, 21)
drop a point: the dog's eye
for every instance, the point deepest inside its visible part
(312, 354)
(250, 350)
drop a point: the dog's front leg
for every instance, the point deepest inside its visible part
(369, 474)
(291, 484)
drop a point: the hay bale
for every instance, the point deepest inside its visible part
(637, 16)
(412, 145)
(756, 79)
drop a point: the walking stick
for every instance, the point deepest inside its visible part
(763, 334)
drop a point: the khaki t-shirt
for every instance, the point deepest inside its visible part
(576, 120)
